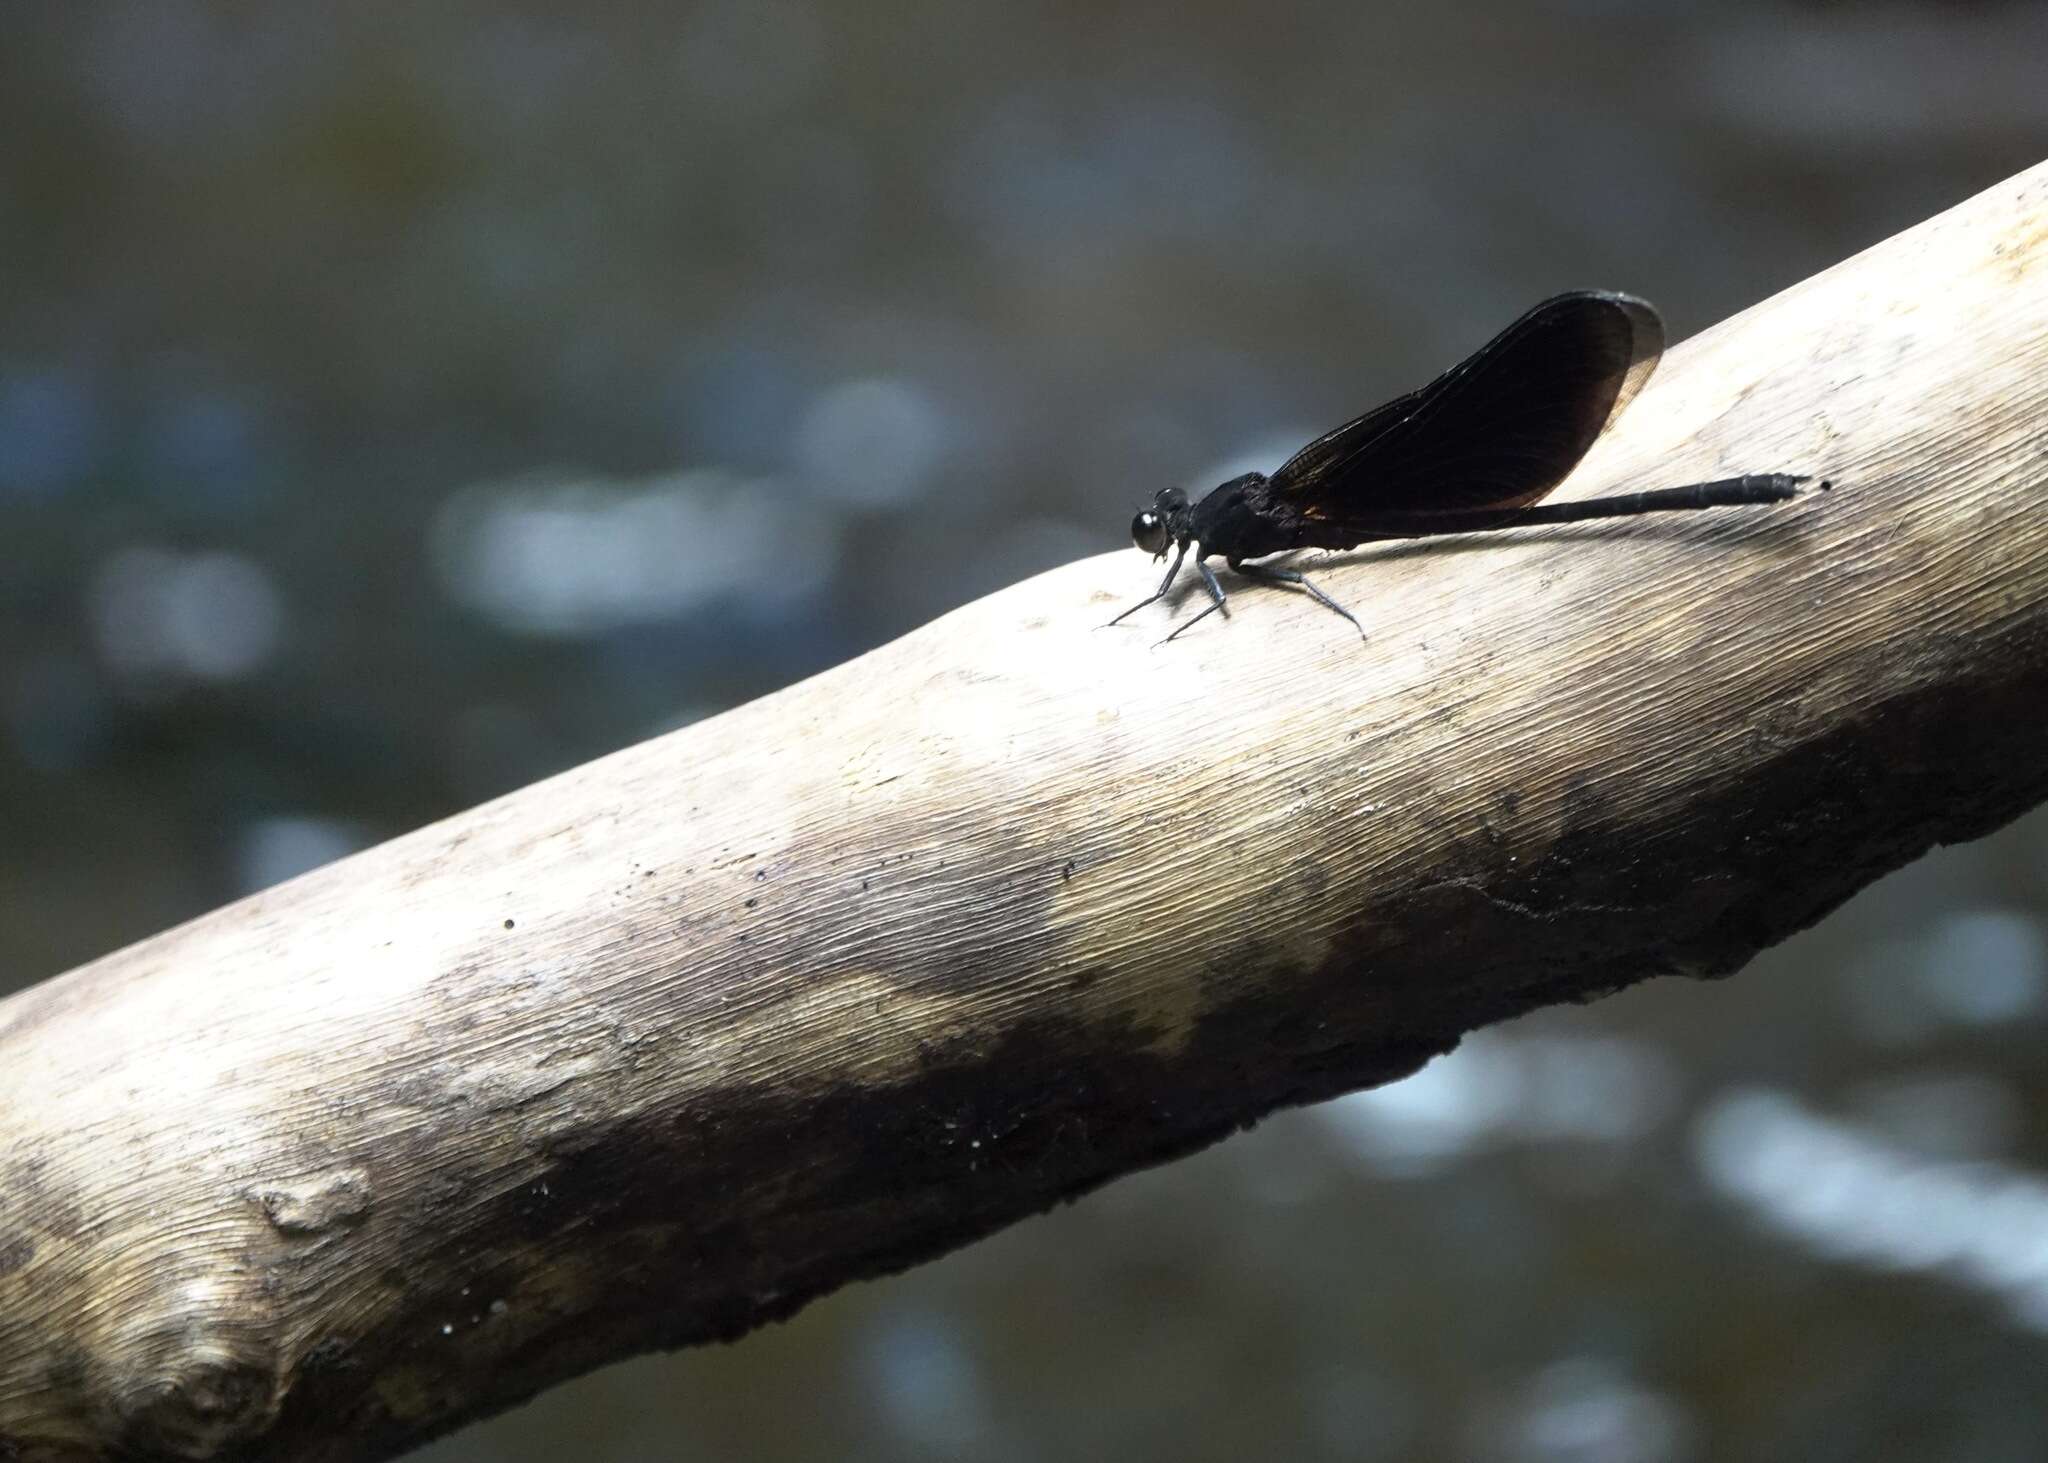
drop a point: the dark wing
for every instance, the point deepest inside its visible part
(1498, 430)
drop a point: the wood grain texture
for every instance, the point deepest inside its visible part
(659, 1049)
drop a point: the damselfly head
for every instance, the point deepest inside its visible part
(1155, 528)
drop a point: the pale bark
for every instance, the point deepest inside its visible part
(666, 1046)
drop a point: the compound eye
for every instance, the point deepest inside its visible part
(1148, 532)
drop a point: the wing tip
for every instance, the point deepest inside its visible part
(1645, 346)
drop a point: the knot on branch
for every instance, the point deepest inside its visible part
(198, 1374)
(316, 1206)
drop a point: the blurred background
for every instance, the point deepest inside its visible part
(400, 403)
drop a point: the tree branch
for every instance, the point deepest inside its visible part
(662, 1048)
